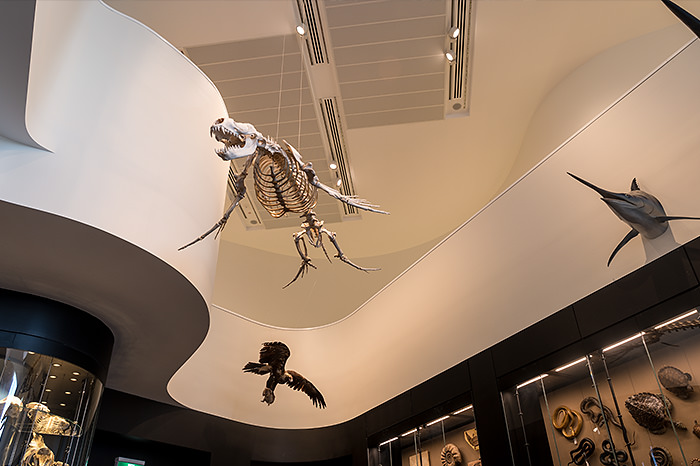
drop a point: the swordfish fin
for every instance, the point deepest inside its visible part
(689, 20)
(624, 241)
(666, 218)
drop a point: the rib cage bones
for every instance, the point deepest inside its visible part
(281, 185)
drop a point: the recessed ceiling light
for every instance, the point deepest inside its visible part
(56, 364)
(76, 373)
(73, 379)
(47, 390)
(388, 441)
(333, 166)
(687, 314)
(436, 421)
(571, 364)
(52, 376)
(63, 404)
(67, 393)
(539, 377)
(301, 29)
(459, 411)
(339, 182)
(626, 340)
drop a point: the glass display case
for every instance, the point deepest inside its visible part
(48, 410)
(633, 402)
(450, 440)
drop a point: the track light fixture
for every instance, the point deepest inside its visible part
(450, 55)
(301, 29)
(453, 32)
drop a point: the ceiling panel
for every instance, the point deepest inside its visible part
(235, 69)
(394, 102)
(263, 100)
(346, 12)
(403, 29)
(239, 50)
(401, 85)
(252, 85)
(388, 59)
(271, 115)
(410, 48)
(395, 116)
(391, 68)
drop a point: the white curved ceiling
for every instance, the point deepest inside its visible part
(433, 175)
(532, 251)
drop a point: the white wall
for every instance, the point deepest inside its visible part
(539, 247)
(125, 117)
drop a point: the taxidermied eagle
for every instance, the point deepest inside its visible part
(273, 357)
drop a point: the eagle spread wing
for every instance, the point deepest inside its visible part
(273, 357)
(274, 353)
(299, 382)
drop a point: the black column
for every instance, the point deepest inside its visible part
(488, 410)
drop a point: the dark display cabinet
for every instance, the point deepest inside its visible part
(634, 401)
(48, 410)
(448, 440)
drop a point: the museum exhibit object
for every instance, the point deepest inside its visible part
(53, 360)
(631, 402)
(449, 440)
(283, 183)
(689, 20)
(273, 358)
(638, 209)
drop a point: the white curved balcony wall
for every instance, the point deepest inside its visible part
(125, 119)
(537, 248)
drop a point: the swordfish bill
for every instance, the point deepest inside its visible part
(689, 20)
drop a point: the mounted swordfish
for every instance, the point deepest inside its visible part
(638, 209)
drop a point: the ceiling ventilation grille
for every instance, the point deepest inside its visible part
(314, 37)
(336, 142)
(458, 71)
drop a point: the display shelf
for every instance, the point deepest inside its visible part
(48, 410)
(633, 401)
(449, 440)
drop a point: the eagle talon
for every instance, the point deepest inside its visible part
(268, 396)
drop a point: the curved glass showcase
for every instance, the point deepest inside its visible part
(634, 402)
(48, 410)
(450, 440)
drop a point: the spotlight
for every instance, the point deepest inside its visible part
(453, 32)
(333, 166)
(339, 182)
(450, 55)
(301, 29)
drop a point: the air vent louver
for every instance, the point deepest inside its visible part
(336, 142)
(315, 38)
(458, 71)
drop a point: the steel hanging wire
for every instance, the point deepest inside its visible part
(279, 99)
(301, 92)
